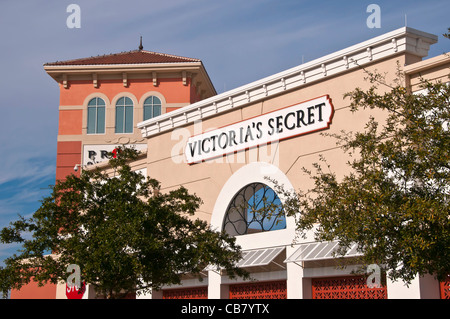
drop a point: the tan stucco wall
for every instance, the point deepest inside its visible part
(207, 179)
(434, 69)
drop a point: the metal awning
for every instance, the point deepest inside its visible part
(320, 251)
(259, 257)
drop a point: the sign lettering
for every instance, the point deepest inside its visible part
(94, 154)
(298, 119)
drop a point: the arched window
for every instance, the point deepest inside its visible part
(255, 208)
(124, 115)
(96, 116)
(152, 107)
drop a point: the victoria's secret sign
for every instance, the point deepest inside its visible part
(298, 119)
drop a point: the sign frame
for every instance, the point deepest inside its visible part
(320, 106)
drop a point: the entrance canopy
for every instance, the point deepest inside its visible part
(259, 257)
(263, 259)
(320, 251)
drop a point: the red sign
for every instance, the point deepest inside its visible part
(74, 292)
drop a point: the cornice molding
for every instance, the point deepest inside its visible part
(184, 70)
(427, 64)
(400, 41)
(113, 68)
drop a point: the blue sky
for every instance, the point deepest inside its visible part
(238, 41)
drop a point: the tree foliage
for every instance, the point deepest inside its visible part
(123, 232)
(447, 35)
(394, 203)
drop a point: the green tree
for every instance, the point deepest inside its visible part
(123, 233)
(447, 35)
(394, 203)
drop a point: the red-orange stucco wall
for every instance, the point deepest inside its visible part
(33, 291)
(173, 90)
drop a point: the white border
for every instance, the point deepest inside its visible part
(400, 41)
(255, 172)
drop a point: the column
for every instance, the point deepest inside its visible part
(216, 290)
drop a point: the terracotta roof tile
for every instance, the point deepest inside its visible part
(129, 57)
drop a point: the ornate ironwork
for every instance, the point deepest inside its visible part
(259, 290)
(354, 287)
(445, 288)
(186, 293)
(255, 208)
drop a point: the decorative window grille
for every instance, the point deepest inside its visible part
(255, 208)
(186, 293)
(353, 287)
(259, 290)
(445, 288)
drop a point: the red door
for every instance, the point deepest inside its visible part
(259, 290)
(352, 287)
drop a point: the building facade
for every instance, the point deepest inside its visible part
(103, 98)
(232, 148)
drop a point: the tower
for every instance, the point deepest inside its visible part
(103, 98)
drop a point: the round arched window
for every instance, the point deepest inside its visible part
(255, 208)
(124, 115)
(152, 107)
(96, 116)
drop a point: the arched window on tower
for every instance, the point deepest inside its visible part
(96, 116)
(152, 107)
(255, 208)
(124, 115)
